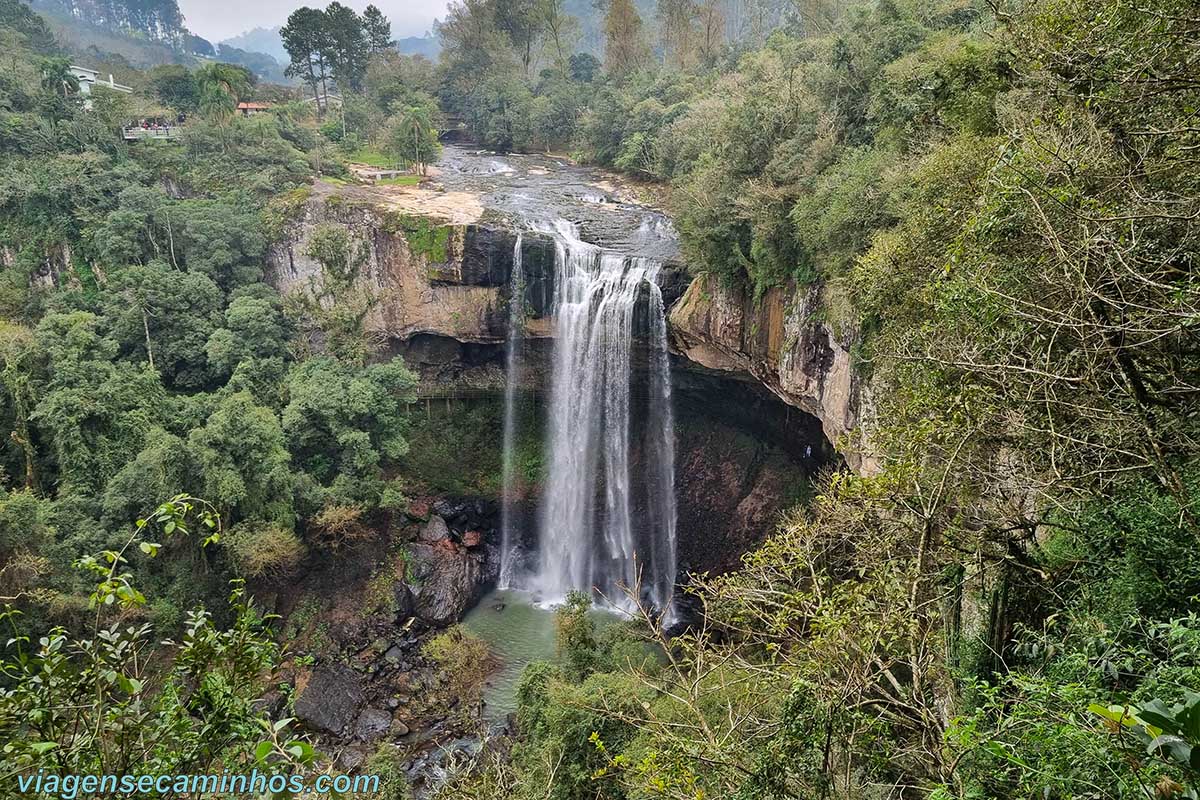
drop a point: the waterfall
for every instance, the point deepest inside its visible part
(516, 330)
(662, 480)
(587, 534)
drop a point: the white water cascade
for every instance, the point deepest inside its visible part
(516, 332)
(588, 538)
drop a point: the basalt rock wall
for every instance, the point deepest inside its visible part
(427, 276)
(781, 342)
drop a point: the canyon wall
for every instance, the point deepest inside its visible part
(781, 342)
(761, 389)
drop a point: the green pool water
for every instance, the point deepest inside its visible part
(518, 634)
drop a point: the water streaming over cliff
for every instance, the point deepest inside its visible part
(516, 332)
(587, 536)
(661, 579)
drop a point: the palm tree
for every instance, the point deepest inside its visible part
(220, 87)
(415, 124)
(57, 76)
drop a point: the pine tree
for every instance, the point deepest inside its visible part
(306, 39)
(348, 49)
(378, 30)
(625, 48)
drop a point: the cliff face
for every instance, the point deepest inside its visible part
(428, 275)
(441, 281)
(780, 342)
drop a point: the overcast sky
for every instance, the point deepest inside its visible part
(220, 19)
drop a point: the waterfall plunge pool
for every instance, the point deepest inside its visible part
(518, 631)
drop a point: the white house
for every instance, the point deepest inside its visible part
(89, 77)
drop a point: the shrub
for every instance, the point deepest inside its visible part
(263, 550)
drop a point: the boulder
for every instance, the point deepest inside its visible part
(450, 582)
(331, 699)
(418, 510)
(346, 630)
(450, 508)
(435, 530)
(472, 539)
(351, 758)
(372, 723)
(404, 601)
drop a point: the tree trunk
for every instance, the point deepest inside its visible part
(146, 329)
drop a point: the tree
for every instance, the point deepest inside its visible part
(58, 78)
(149, 707)
(166, 316)
(523, 21)
(306, 38)
(412, 135)
(677, 32)
(710, 35)
(243, 463)
(18, 361)
(175, 87)
(561, 30)
(223, 241)
(378, 31)
(254, 329)
(342, 421)
(584, 67)
(348, 46)
(95, 410)
(220, 86)
(625, 48)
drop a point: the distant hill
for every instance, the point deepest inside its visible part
(159, 21)
(142, 33)
(264, 65)
(267, 40)
(260, 40)
(427, 45)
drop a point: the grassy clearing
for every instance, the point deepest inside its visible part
(399, 180)
(372, 158)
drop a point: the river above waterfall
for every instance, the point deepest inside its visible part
(533, 189)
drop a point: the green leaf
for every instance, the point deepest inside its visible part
(262, 751)
(1122, 714)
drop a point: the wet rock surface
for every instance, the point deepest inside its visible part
(451, 579)
(330, 700)
(364, 615)
(372, 723)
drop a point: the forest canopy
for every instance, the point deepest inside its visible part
(992, 207)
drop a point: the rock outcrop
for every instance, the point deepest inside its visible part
(428, 274)
(781, 342)
(441, 282)
(449, 570)
(330, 700)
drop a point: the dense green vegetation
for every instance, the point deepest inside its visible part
(145, 358)
(997, 205)
(150, 359)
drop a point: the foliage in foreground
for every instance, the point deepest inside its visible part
(1008, 606)
(101, 702)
